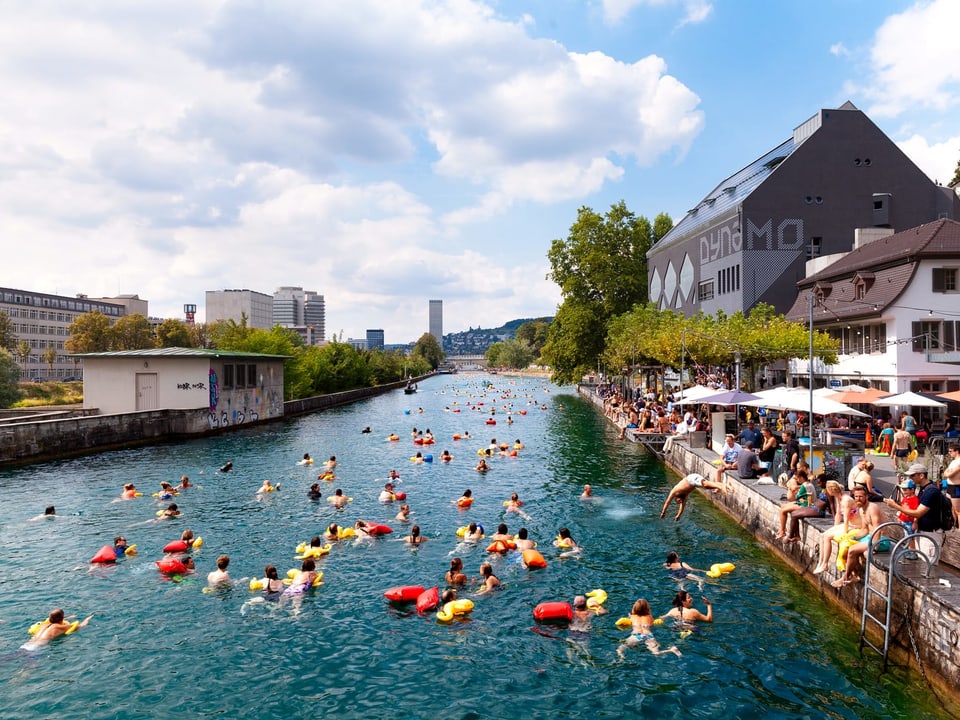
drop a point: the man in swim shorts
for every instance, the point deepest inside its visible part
(54, 627)
(682, 490)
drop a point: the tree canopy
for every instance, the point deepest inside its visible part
(601, 268)
(9, 379)
(429, 350)
(8, 338)
(89, 333)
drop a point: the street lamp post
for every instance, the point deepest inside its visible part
(810, 384)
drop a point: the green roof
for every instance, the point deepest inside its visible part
(176, 352)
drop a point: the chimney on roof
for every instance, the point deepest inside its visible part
(862, 236)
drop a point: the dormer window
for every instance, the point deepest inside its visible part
(862, 282)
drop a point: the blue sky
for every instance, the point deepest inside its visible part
(386, 152)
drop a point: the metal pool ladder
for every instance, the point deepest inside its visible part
(928, 554)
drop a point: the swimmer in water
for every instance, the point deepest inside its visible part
(473, 533)
(227, 466)
(267, 487)
(172, 511)
(566, 542)
(184, 483)
(587, 493)
(680, 571)
(523, 542)
(455, 574)
(129, 492)
(314, 492)
(220, 576)
(641, 631)
(682, 490)
(415, 538)
(338, 499)
(490, 581)
(684, 612)
(306, 460)
(386, 495)
(514, 503)
(404, 514)
(53, 627)
(482, 466)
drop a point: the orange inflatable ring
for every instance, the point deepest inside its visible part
(464, 502)
(175, 546)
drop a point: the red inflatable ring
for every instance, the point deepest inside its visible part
(553, 612)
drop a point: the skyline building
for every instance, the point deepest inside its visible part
(375, 339)
(436, 320)
(234, 304)
(301, 310)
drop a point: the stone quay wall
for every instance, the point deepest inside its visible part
(34, 437)
(925, 620)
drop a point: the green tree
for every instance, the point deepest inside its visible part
(132, 332)
(9, 379)
(601, 268)
(23, 351)
(428, 349)
(89, 333)
(49, 356)
(534, 335)
(385, 367)
(228, 334)
(515, 354)
(174, 333)
(199, 335)
(8, 338)
(493, 355)
(956, 176)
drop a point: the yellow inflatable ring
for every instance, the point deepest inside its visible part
(197, 543)
(596, 598)
(256, 584)
(454, 608)
(623, 623)
(292, 573)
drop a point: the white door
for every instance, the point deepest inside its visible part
(146, 391)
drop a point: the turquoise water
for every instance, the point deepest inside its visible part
(157, 648)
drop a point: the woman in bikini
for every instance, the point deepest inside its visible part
(684, 612)
(641, 631)
(847, 518)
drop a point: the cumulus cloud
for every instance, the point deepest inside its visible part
(695, 11)
(839, 49)
(937, 160)
(914, 60)
(192, 145)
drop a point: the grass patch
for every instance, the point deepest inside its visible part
(50, 393)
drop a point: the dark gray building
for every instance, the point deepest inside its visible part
(747, 241)
(375, 339)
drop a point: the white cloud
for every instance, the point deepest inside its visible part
(695, 11)
(914, 59)
(346, 147)
(839, 49)
(937, 160)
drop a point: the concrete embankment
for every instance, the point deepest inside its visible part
(25, 438)
(925, 602)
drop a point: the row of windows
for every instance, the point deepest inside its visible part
(942, 335)
(240, 375)
(39, 315)
(80, 304)
(41, 344)
(861, 339)
(39, 329)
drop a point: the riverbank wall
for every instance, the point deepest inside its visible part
(925, 605)
(38, 436)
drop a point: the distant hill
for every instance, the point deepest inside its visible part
(477, 341)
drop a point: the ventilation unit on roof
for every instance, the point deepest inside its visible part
(881, 209)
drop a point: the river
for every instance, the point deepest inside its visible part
(158, 648)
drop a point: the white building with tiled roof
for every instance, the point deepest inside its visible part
(893, 304)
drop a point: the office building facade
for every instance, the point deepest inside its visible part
(43, 321)
(224, 305)
(436, 320)
(375, 339)
(301, 310)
